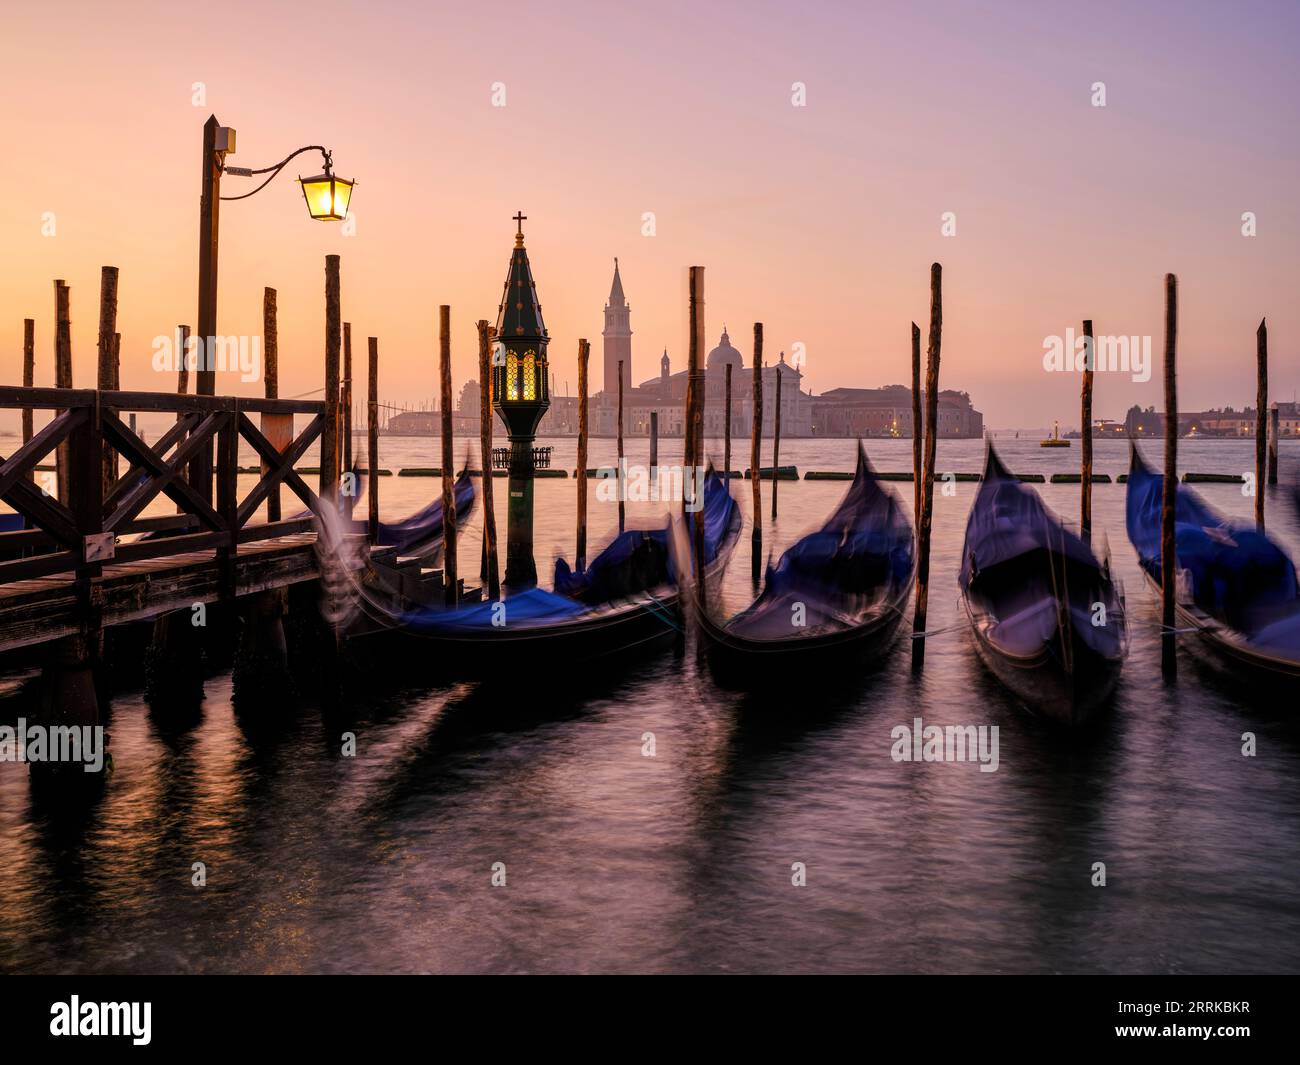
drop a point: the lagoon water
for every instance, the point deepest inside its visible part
(618, 862)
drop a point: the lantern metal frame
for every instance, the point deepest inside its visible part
(328, 175)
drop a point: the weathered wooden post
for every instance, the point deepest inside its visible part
(29, 371)
(927, 473)
(104, 380)
(1169, 501)
(1085, 436)
(580, 553)
(1261, 425)
(448, 477)
(654, 447)
(916, 425)
(492, 570)
(200, 471)
(63, 379)
(372, 439)
(182, 364)
(277, 428)
(756, 458)
(776, 439)
(345, 399)
(622, 475)
(697, 422)
(345, 416)
(726, 430)
(329, 440)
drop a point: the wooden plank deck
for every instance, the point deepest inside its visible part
(41, 609)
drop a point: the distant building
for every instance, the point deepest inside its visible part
(1226, 422)
(888, 412)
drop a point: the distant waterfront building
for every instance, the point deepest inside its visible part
(1212, 423)
(888, 412)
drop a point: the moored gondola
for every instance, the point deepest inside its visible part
(1047, 617)
(1237, 592)
(626, 599)
(832, 603)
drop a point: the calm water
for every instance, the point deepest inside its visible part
(682, 862)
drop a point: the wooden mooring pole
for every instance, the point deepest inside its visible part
(916, 425)
(696, 458)
(1261, 425)
(271, 382)
(776, 437)
(756, 459)
(63, 379)
(450, 581)
(329, 440)
(372, 441)
(654, 447)
(726, 431)
(1169, 501)
(29, 371)
(1085, 437)
(580, 552)
(104, 380)
(927, 472)
(345, 417)
(492, 569)
(622, 471)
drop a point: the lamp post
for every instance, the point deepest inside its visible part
(521, 395)
(327, 199)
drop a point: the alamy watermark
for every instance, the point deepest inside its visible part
(651, 484)
(53, 743)
(1103, 354)
(221, 353)
(946, 743)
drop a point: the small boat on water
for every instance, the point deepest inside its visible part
(1237, 592)
(627, 598)
(1055, 439)
(833, 601)
(1048, 618)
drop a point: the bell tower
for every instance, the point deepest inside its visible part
(617, 336)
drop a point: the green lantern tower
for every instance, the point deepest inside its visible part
(521, 395)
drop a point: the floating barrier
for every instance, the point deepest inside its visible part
(1077, 478)
(1213, 478)
(783, 473)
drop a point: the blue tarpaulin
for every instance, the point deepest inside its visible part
(1237, 575)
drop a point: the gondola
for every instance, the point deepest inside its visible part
(420, 533)
(1236, 588)
(833, 601)
(627, 598)
(1047, 617)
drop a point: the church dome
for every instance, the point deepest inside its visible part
(723, 354)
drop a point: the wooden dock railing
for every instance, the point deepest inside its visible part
(79, 533)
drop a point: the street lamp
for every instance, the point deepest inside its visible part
(327, 198)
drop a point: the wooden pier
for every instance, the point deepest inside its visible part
(73, 571)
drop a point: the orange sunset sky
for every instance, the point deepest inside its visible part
(820, 220)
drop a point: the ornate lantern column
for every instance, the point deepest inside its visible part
(521, 395)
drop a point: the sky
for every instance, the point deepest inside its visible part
(819, 220)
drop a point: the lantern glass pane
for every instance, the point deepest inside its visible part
(342, 197)
(530, 376)
(512, 376)
(320, 196)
